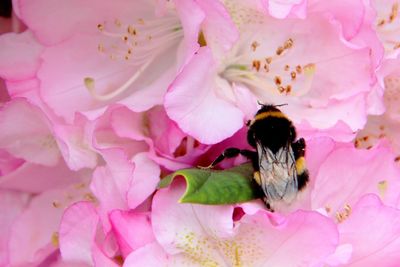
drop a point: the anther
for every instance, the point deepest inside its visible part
(278, 80)
(254, 45)
(299, 69)
(288, 89)
(293, 75)
(256, 64)
(394, 12)
(100, 48)
(131, 30)
(280, 50)
(100, 27)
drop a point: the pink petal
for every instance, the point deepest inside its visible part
(133, 230)
(74, 146)
(77, 231)
(26, 133)
(33, 236)
(35, 178)
(351, 111)
(340, 132)
(8, 163)
(56, 21)
(373, 230)
(11, 206)
(67, 80)
(150, 255)
(195, 235)
(171, 227)
(348, 173)
(110, 184)
(191, 17)
(349, 14)
(193, 98)
(282, 9)
(78, 236)
(314, 233)
(219, 30)
(19, 56)
(146, 176)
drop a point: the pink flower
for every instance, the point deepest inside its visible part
(198, 235)
(385, 126)
(33, 235)
(387, 26)
(102, 99)
(373, 230)
(113, 55)
(320, 88)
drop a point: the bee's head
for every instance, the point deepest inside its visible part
(268, 108)
(272, 127)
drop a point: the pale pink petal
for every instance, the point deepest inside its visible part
(8, 163)
(315, 234)
(350, 14)
(102, 133)
(145, 178)
(132, 229)
(164, 132)
(26, 133)
(219, 30)
(340, 132)
(11, 205)
(110, 184)
(373, 230)
(348, 173)
(191, 17)
(317, 151)
(34, 178)
(67, 80)
(170, 228)
(351, 111)
(56, 21)
(150, 255)
(192, 98)
(389, 78)
(74, 146)
(77, 231)
(387, 25)
(21, 51)
(282, 9)
(33, 236)
(79, 236)
(196, 235)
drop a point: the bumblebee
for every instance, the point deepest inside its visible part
(278, 162)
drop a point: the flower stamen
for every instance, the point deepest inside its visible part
(137, 44)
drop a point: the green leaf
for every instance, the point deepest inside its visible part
(215, 187)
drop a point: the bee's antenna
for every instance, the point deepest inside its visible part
(260, 103)
(280, 105)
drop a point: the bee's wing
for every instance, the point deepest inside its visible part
(278, 173)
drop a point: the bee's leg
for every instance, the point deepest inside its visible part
(267, 204)
(231, 153)
(299, 148)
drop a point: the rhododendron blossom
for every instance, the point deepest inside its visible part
(110, 109)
